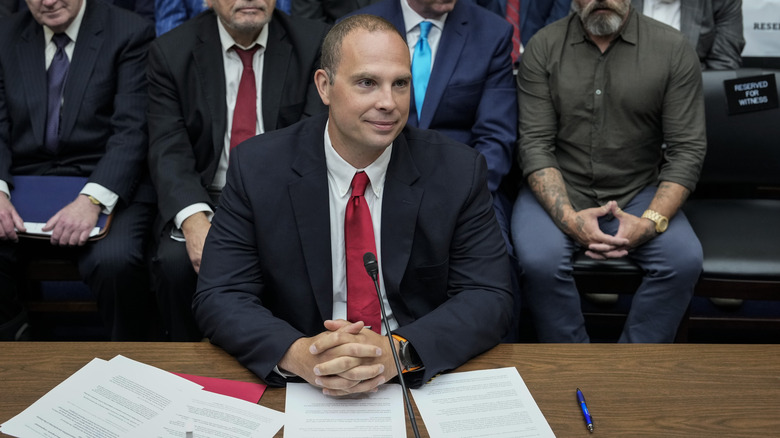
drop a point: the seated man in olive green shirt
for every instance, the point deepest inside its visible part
(612, 142)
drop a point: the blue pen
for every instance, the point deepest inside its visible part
(585, 413)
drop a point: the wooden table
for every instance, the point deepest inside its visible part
(632, 390)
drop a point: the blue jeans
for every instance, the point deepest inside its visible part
(672, 262)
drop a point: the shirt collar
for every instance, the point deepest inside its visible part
(343, 172)
(630, 31)
(228, 42)
(412, 19)
(73, 30)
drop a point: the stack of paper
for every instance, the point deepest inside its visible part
(125, 398)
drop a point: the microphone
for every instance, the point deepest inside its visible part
(372, 268)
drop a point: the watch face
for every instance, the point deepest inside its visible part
(662, 225)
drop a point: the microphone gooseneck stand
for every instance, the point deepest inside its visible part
(372, 268)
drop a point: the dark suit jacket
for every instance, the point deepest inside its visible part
(535, 14)
(7, 7)
(471, 96)
(326, 10)
(187, 109)
(144, 8)
(266, 280)
(103, 127)
(714, 29)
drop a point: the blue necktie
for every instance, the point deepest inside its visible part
(421, 66)
(58, 72)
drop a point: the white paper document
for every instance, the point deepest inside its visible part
(207, 415)
(311, 414)
(487, 403)
(37, 228)
(124, 398)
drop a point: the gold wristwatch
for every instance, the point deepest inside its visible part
(661, 221)
(93, 200)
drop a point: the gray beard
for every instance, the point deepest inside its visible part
(603, 25)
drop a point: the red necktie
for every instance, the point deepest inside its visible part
(513, 17)
(245, 112)
(362, 301)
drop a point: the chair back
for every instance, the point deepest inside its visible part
(743, 150)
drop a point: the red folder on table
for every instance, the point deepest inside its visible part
(38, 198)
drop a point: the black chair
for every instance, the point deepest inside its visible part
(735, 210)
(51, 266)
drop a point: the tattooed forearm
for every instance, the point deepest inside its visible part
(670, 192)
(668, 198)
(549, 188)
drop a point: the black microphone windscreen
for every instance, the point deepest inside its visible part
(369, 261)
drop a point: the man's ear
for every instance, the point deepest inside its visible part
(322, 82)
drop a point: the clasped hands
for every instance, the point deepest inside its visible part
(632, 232)
(346, 359)
(70, 226)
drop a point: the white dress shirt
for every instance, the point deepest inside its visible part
(665, 11)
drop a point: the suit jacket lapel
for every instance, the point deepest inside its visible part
(277, 57)
(32, 63)
(309, 197)
(453, 38)
(211, 77)
(400, 207)
(86, 53)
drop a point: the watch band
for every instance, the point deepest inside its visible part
(94, 200)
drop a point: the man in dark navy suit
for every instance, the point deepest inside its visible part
(90, 123)
(277, 285)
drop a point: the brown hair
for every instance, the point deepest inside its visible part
(331, 45)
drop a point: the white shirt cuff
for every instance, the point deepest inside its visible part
(102, 194)
(192, 209)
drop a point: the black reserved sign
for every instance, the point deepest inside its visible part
(754, 93)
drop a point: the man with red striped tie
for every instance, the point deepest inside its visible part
(237, 70)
